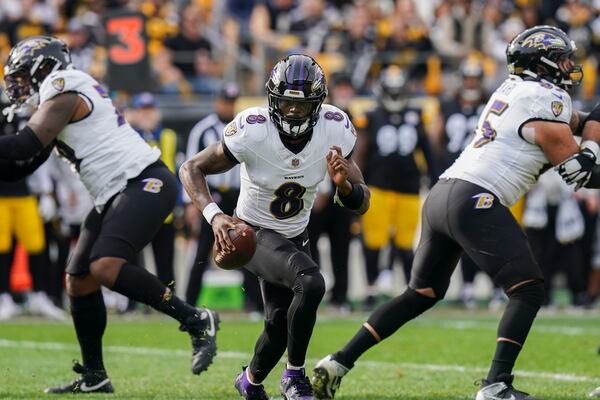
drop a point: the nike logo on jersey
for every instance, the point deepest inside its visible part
(85, 388)
(558, 95)
(304, 243)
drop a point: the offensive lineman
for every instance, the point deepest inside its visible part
(284, 152)
(133, 192)
(524, 126)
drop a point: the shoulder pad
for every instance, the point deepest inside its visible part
(70, 80)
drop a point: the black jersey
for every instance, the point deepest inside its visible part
(459, 127)
(394, 141)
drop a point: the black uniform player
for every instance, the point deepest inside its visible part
(394, 154)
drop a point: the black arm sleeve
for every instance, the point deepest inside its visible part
(21, 147)
(12, 171)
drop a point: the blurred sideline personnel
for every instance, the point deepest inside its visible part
(146, 120)
(285, 151)
(75, 115)
(454, 130)
(525, 126)
(393, 151)
(20, 219)
(224, 188)
(328, 217)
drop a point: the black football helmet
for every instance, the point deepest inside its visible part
(391, 89)
(542, 52)
(296, 90)
(28, 64)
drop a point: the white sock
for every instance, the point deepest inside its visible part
(289, 366)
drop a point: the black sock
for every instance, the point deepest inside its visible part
(406, 256)
(371, 264)
(5, 267)
(39, 267)
(384, 321)
(89, 318)
(362, 341)
(140, 285)
(516, 321)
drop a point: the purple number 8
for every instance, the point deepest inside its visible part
(336, 116)
(255, 119)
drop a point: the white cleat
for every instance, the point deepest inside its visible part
(40, 304)
(327, 377)
(595, 393)
(8, 308)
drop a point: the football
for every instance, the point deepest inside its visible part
(244, 241)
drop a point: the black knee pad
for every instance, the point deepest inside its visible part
(531, 292)
(311, 284)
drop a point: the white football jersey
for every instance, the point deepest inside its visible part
(500, 158)
(278, 187)
(103, 147)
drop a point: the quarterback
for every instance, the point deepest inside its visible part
(285, 151)
(133, 192)
(524, 128)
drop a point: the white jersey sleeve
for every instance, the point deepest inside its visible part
(551, 103)
(62, 81)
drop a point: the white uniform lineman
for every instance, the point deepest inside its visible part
(503, 157)
(103, 147)
(278, 187)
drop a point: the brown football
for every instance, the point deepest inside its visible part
(244, 241)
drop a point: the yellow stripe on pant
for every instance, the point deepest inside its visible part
(19, 217)
(391, 214)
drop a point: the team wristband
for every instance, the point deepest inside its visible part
(210, 211)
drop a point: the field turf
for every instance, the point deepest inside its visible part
(436, 357)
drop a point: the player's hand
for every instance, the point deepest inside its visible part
(337, 167)
(577, 169)
(221, 224)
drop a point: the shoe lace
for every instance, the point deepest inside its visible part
(302, 385)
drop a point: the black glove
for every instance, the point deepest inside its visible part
(578, 168)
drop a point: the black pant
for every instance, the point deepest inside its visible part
(335, 222)
(292, 288)
(163, 249)
(460, 215)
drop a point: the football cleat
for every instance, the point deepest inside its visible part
(327, 377)
(203, 329)
(595, 393)
(296, 387)
(502, 389)
(247, 390)
(91, 381)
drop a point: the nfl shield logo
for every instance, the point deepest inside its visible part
(557, 108)
(295, 162)
(58, 84)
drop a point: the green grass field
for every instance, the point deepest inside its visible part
(436, 357)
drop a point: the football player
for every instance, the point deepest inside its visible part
(133, 193)
(284, 150)
(392, 153)
(524, 127)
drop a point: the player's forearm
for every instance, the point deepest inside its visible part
(357, 200)
(577, 121)
(194, 183)
(12, 171)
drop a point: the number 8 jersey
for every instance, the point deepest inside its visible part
(502, 158)
(278, 187)
(104, 149)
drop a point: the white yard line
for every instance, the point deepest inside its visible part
(151, 351)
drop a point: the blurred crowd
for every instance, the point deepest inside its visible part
(447, 55)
